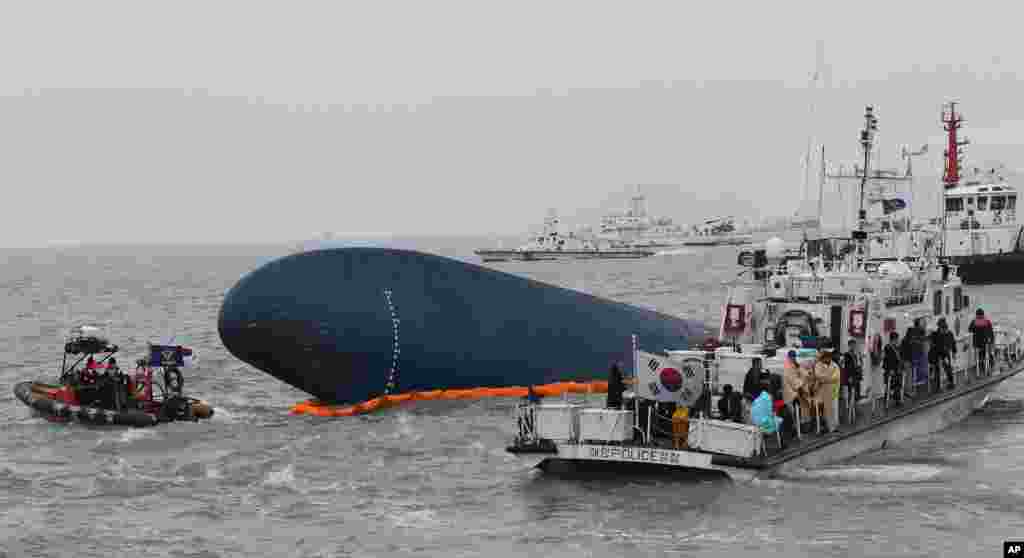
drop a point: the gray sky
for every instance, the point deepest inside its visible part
(712, 101)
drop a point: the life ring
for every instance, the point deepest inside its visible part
(173, 380)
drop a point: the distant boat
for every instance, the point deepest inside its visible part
(800, 223)
(555, 244)
(977, 231)
(982, 234)
(635, 228)
(720, 231)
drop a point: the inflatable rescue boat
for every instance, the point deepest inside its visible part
(98, 392)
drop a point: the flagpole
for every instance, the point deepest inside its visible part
(636, 385)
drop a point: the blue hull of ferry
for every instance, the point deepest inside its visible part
(340, 323)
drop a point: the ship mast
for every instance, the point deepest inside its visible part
(951, 177)
(867, 138)
(952, 122)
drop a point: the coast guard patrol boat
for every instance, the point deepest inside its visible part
(830, 292)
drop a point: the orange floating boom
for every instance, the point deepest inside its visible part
(314, 407)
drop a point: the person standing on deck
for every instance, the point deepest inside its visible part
(826, 376)
(943, 349)
(984, 336)
(915, 351)
(615, 387)
(752, 381)
(853, 374)
(793, 380)
(730, 405)
(892, 366)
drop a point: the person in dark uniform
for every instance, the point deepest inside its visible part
(615, 387)
(730, 405)
(752, 381)
(984, 337)
(942, 351)
(892, 363)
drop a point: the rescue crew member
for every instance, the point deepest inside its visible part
(615, 387)
(984, 336)
(892, 363)
(941, 353)
(730, 405)
(852, 374)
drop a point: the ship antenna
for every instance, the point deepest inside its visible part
(867, 138)
(821, 187)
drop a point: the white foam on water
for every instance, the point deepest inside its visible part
(284, 478)
(415, 519)
(887, 474)
(135, 434)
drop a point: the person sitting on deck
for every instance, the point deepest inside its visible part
(984, 336)
(762, 413)
(942, 352)
(730, 406)
(892, 362)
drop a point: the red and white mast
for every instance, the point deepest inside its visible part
(952, 122)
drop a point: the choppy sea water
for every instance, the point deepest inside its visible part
(431, 479)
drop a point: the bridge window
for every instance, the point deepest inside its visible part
(1011, 202)
(957, 303)
(998, 203)
(937, 302)
(954, 204)
(982, 203)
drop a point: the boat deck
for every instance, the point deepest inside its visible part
(866, 420)
(926, 412)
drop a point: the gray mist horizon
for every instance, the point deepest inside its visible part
(262, 123)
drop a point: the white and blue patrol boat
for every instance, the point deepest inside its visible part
(829, 293)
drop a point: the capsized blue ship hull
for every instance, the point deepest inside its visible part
(342, 323)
